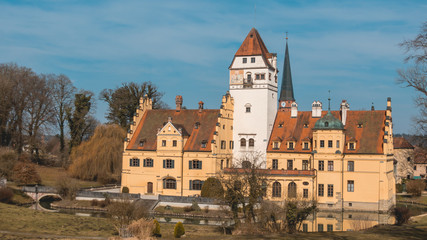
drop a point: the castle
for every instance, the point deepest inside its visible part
(342, 159)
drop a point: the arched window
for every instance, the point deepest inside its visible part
(169, 183)
(326, 124)
(243, 142)
(246, 164)
(277, 189)
(149, 187)
(292, 190)
(251, 142)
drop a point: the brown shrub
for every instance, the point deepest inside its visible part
(94, 203)
(6, 195)
(67, 187)
(402, 214)
(142, 228)
(26, 173)
(8, 159)
(415, 187)
(188, 209)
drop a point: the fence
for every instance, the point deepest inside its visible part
(181, 199)
(90, 194)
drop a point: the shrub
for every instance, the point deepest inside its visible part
(26, 173)
(142, 228)
(402, 214)
(67, 187)
(8, 159)
(125, 190)
(206, 209)
(399, 188)
(212, 188)
(415, 187)
(6, 195)
(179, 230)
(195, 206)
(122, 212)
(94, 203)
(188, 209)
(156, 229)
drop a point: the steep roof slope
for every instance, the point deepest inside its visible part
(186, 119)
(368, 137)
(401, 143)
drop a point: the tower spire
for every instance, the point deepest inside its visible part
(329, 101)
(287, 90)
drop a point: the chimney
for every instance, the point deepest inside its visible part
(200, 106)
(178, 101)
(344, 108)
(316, 109)
(294, 110)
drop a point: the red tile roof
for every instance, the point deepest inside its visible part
(253, 45)
(401, 143)
(368, 138)
(154, 119)
(420, 156)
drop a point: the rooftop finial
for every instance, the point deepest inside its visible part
(329, 100)
(286, 36)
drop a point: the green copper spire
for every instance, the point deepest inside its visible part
(287, 90)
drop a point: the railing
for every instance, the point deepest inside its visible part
(90, 194)
(40, 189)
(181, 199)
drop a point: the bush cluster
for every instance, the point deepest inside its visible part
(212, 188)
(402, 214)
(6, 195)
(178, 230)
(415, 187)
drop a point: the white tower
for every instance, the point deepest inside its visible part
(253, 85)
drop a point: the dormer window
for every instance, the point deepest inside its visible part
(351, 145)
(196, 125)
(141, 143)
(326, 124)
(276, 145)
(305, 125)
(244, 60)
(290, 145)
(204, 143)
(280, 125)
(305, 145)
(359, 125)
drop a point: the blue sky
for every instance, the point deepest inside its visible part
(186, 47)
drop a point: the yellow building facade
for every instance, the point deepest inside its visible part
(341, 159)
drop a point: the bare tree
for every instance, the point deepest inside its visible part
(63, 93)
(415, 75)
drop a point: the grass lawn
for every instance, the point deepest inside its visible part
(50, 175)
(421, 199)
(24, 223)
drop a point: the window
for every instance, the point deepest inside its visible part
(305, 146)
(228, 161)
(196, 184)
(204, 142)
(169, 183)
(275, 145)
(315, 143)
(222, 164)
(163, 143)
(290, 165)
(305, 193)
(321, 165)
(338, 143)
(350, 186)
(304, 164)
(243, 142)
(196, 125)
(195, 164)
(134, 162)
(249, 77)
(244, 60)
(148, 162)
(330, 190)
(320, 227)
(275, 164)
(409, 159)
(168, 163)
(330, 227)
(251, 142)
(330, 165)
(291, 145)
(223, 144)
(277, 189)
(141, 143)
(263, 76)
(322, 143)
(174, 143)
(257, 76)
(292, 190)
(231, 144)
(351, 146)
(321, 190)
(305, 227)
(252, 60)
(248, 109)
(350, 166)
(415, 168)
(330, 144)
(326, 124)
